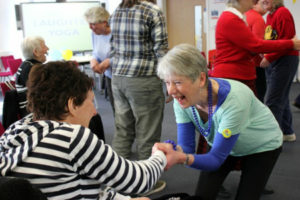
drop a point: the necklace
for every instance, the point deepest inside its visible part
(205, 132)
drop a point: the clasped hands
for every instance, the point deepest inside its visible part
(173, 156)
(100, 67)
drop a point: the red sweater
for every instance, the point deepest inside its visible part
(235, 45)
(282, 24)
(256, 23)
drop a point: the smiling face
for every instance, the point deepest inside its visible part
(41, 52)
(184, 90)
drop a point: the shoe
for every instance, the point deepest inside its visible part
(223, 193)
(159, 186)
(297, 105)
(267, 191)
(289, 137)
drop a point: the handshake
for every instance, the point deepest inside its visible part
(174, 154)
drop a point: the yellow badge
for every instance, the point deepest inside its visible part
(226, 133)
(270, 33)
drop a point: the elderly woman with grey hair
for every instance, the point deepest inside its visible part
(281, 67)
(34, 51)
(236, 125)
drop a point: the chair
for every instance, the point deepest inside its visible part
(6, 86)
(2, 130)
(211, 58)
(211, 61)
(11, 110)
(13, 65)
(4, 60)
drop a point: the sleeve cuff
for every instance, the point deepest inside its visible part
(162, 156)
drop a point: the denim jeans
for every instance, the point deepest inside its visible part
(280, 75)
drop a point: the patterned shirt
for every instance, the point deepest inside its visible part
(68, 161)
(139, 38)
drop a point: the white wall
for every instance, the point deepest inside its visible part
(10, 38)
(213, 11)
(294, 7)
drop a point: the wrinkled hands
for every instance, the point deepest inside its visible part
(264, 63)
(100, 67)
(296, 42)
(173, 157)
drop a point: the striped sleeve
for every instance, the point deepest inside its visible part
(96, 160)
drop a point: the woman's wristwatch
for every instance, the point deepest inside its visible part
(186, 162)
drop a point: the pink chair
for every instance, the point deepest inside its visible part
(13, 65)
(2, 130)
(6, 86)
(4, 60)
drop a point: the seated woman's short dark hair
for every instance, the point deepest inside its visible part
(48, 92)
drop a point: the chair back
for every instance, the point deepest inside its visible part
(211, 58)
(14, 65)
(2, 130)
(4, 60)
(6, 86)
(11, 110)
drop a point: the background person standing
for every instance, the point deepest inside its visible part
(256, 23)
(97, 17)
(138, 39)
(281, 66)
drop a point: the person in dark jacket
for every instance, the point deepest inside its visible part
(34, 50)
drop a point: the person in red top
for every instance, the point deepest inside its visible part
(236, 44)
(256, 23)
(281, 66)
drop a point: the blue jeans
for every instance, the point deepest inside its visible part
(139, 106)
(280, 75)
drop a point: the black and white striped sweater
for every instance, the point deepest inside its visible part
(68, 161)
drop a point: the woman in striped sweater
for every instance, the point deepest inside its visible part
(54, 150)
